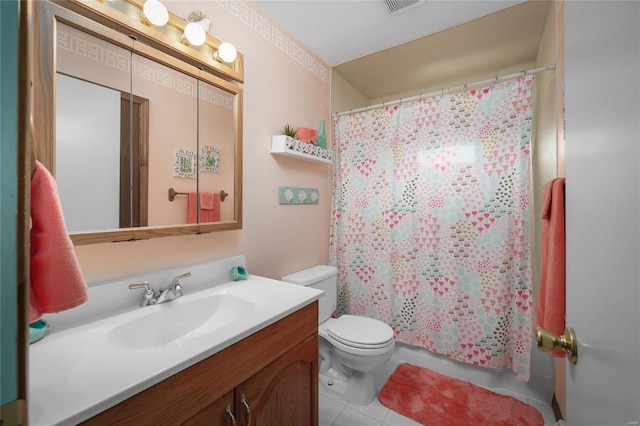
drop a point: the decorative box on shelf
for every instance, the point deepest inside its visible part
(286, 145)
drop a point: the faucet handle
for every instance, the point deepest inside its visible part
(146, 286)
(185, 275)
(149, 295)
(175, 283)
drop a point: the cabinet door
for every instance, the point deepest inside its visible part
(283, 393)
(215, 414)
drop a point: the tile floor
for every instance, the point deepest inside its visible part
(335, 411)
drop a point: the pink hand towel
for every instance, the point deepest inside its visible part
(206, 200)
(550, 308)
(209, 207)
(56, 283)
(192, 207)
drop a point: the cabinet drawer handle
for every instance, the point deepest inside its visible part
(228, 411)
(247, 413)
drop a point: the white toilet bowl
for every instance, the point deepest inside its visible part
(347, 367)
(351, 346)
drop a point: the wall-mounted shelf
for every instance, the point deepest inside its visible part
(290, 147)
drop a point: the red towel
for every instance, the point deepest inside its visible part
(209, 207)
(550, 308)
(57, 283)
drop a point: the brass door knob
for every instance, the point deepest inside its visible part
(548, 341)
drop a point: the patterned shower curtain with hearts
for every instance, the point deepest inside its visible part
(430, 222)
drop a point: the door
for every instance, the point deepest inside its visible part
(134, 160)
(602, 74)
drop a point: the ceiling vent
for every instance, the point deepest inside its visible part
(397, 6)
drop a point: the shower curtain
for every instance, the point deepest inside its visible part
(430, 222)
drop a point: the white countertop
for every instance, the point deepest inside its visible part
(77, 371)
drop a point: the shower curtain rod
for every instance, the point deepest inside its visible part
(449, 89)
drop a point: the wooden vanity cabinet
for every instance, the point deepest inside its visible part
(281, 394)
(215, 414)
(275, 369)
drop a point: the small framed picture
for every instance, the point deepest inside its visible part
(185, 165)
(209, 159)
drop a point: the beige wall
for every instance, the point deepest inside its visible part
(344, 96)
(544, 145)
(284, 83)
(545, 155)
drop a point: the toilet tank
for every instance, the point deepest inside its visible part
(321, 277)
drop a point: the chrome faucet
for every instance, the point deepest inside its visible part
(173, 291)
(166, 294)
(148, 296)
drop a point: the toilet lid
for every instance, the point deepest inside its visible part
(360, 332)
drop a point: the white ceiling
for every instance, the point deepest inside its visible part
(339, 31)
(384, 56)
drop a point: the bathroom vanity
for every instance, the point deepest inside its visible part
(268, 378)
(243, 351)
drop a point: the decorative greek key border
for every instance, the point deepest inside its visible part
(100, 53)
(261, 25)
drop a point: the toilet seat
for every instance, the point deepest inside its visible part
(360, 332)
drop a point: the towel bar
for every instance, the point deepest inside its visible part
(173, 193)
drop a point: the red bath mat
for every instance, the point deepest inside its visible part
(437, 400)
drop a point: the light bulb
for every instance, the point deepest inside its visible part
(195, 34)
(226, 53)
(155, 12)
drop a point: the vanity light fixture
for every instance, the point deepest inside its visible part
(226, 53)
(193, 35)
(154, 13)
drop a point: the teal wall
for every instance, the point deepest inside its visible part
(8, 197)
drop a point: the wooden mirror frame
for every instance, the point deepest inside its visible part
(111, 28)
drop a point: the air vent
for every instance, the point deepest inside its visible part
(397, 6)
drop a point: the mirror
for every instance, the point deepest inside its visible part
(145, 144)
(173, 132)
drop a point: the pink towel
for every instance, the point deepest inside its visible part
(57, 283)
(209, 207)
(206, 200)
(550, 308)
(192, 207)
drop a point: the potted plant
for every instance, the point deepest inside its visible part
(289, 130)
(200, 18)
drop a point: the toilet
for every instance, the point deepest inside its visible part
(351, 347)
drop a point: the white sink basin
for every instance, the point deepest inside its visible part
(170, 322)
(125, 348)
